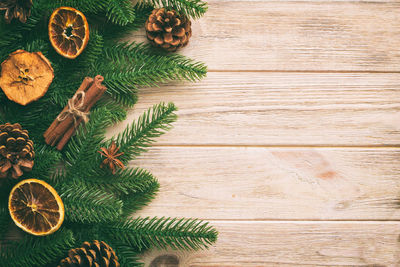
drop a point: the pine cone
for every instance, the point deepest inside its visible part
(20, 9)
(16, 151)
(96, 254)
(168, 30)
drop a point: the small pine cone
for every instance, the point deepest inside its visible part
(96, 254)
(16, 151)
(19, 9)
(167, 29)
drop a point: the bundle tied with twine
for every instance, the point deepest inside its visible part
(75, 105)
(75, 112)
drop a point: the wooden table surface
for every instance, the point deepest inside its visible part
(291, 145)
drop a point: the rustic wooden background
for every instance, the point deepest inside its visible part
(291, 145)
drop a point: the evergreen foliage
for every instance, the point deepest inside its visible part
(190, 8)
(98, 203)
(144, 233)
(32, 251)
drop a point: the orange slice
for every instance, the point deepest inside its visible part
(36, 207)
(68, 31)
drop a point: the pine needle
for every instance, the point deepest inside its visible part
(190, 8)
(161, 233)
(37, 251)
(139, 135)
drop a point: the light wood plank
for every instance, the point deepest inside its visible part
(263, 244)
(281, 109)
(275, 183)
(297, 35)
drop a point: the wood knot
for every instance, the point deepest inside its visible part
(168, 260)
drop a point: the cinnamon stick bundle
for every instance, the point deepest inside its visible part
(76, 111)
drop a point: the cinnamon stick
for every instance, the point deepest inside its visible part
(53, 133)
(94, 93)
(61, 130)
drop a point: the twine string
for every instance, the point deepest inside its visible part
(75, 109)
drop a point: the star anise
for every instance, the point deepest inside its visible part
(111, 155)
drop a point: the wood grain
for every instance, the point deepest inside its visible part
(297, 35)
(274, 183)
(291, 144)
(264, 109)
(263, 244)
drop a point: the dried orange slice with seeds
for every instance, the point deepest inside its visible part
(36, 207)
(68, 31)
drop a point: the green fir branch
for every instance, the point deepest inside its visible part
(191, 8)
(88, 205)
(138, 136)
(113, 32)
(96, 201)
(162, 233)
(142, 65)
(46, 163)
(124, 182)
(121, 12)
(5, 219)
(136, 201)
(86, 6)
(37, 251)
(81, 150)
(127, 257)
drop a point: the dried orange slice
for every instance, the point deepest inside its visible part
(68, 31)
(36, 207)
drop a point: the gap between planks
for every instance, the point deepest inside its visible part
(302, 221)
(309, 222)
(324, 146)
(308, 71)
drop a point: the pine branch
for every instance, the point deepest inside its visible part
(117, 110)
(124, 182)
(121, 12)
(138, 136)
(86, 6)
(46, 160)
(136, 201)
(37, 251)
(190, 8)
(127, 256)
(4, 220)
(141, 65)
(88, 205)
(112, 32)
(81, 151)
(37, 45)
(122, 91)
(5, 188)
(161, 233)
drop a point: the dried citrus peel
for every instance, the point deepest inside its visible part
(68, 32)
(36, 207)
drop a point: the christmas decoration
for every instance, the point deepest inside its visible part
(25, 77)
(76, 111)
(111, 155)
(98, 205)
(168, 29)
(91, 254)
(19, 9)
(35, 207)
(16, 151)
(68, 32)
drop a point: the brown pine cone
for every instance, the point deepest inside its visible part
(19, 9)
(16, 151)
(96, 254)
(167, 29)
